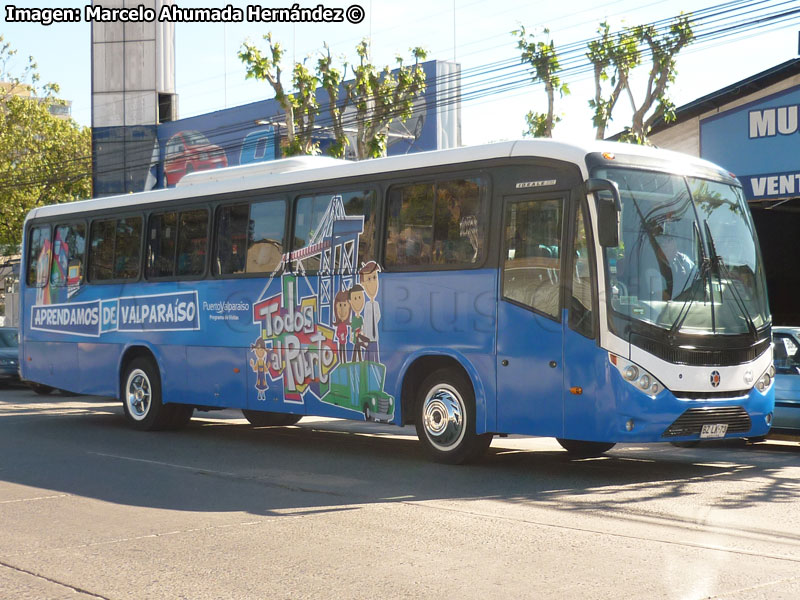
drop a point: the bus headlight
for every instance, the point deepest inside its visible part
(631, 373)
(636, 375)
(763, 383)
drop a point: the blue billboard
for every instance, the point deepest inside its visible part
(760, 143)
(254, 132)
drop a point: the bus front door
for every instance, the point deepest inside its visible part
(529, 318)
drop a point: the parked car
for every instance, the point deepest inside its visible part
(786, 355)
(189, 151)
(9, 355)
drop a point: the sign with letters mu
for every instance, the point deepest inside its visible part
(760, 143)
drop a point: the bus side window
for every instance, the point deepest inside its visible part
(161, 245)
(101, 250)
(231, 239)
(128, 247)
(69, 246)
(38, 256)
(441, 223)
(115, 249)
(192, 242)
(459, 223)
(409, 231)
(581, 317)
(265, 236)
(312, 212)
(531, 254)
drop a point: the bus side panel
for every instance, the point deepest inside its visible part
(216, 376)
(593, 414)
(98, 364)
(450, 313)
(52, 363)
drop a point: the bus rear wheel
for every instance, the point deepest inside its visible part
(260, 418)
(141, 397)
(445, 418)
(582, 449)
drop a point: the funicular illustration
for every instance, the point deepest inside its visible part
(355, 383)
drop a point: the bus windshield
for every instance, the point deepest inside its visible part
(688, 260)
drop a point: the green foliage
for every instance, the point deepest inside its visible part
(300, 108)
(380, 96)
(540, 124)
(543, 59)
(43, 159)
(615, 56)
(376, 96)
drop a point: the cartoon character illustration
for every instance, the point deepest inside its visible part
(360, 341)
(259, 366)
(368, 276)
(341, 305)
(306, 325)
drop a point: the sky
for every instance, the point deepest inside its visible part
(473, 32)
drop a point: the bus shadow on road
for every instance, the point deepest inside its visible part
(224, 465)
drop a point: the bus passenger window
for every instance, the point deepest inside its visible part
(161, 245)
(128, 247)
(409, 232)
(265, 236)
(231, 238)
(312, 223)
(441, 223)
(192, 242)
(69, 246)
(101, 250)
(38, 256)
(531, 254)
(459, 224)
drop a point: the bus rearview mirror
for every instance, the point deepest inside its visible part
(609, 209)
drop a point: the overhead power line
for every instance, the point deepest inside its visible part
(713, 25)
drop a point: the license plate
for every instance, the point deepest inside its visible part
(716, 430)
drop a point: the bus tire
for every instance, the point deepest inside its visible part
(141, 397)
(582, 449)
(41, 389)
(445, 418)
(260, 418)
(181, 415)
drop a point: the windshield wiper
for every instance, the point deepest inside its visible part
(701, 273)
(722, 271)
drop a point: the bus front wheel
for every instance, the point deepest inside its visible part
(445, 418)
(260, 418)
(141, 397)
(582, 449)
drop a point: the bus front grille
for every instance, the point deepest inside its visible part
(692, 421)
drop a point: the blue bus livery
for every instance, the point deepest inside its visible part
(596, 294)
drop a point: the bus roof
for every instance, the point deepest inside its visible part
(308, 169)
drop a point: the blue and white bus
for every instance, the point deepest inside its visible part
(596, 294)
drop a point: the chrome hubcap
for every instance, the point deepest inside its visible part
(444, 417)
(138, 394)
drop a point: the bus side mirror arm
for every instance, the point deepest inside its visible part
(609, 210)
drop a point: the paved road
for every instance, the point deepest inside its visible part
(92, 509)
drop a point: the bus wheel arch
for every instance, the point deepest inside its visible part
(140, 391)
(414, 375)
(444, 411)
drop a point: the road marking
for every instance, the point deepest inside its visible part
(33, 499)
